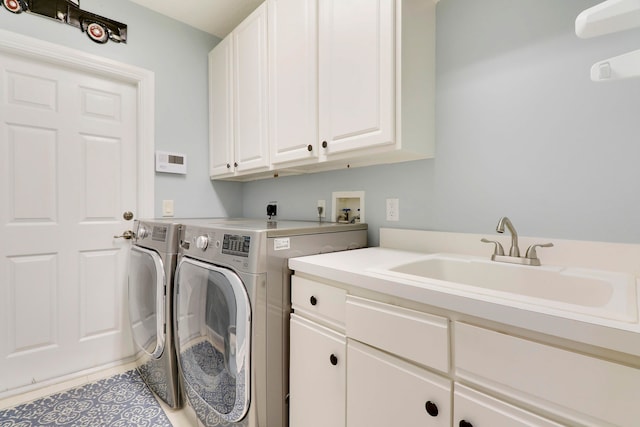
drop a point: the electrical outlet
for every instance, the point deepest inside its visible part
(322, 208)
(393, 210)
(272, 209)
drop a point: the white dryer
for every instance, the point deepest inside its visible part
(232, 306)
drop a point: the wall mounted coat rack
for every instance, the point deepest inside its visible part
(98, 28)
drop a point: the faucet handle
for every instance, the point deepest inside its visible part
(531, 252)
(498, 250)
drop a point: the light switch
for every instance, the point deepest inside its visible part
(167, 208)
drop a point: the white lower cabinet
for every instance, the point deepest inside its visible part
(586, 390)
(474, 409)
(384, 391)
(396, 366)
(317, 386)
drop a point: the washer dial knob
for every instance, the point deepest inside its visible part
(202, 242)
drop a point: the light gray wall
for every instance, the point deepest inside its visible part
(521, 131)
(177, 54)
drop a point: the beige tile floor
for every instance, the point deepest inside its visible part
(179, 418)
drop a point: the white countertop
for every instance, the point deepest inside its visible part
(354, 268)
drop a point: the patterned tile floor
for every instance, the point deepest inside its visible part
(122, 400)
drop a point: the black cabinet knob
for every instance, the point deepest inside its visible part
(432, 408)
(324, 144)
(313, 300)
(309, 147)
(228, 166)
(333, 359)
(235, 164)
(464, 423)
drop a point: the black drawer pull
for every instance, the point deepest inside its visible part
(333, 359)
(313, 300)
(432, 408)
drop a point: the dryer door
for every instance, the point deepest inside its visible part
(146, 300)
(213, 316)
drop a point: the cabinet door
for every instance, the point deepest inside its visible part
(584, 389)
(317, 375)
(475, 409)
(293, 73)
(385, 391)
(250, 91)
(357, 74)
(220, 110)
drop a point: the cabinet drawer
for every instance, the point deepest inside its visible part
(420, 337)
(318, 301)
(586, 390)
(384, 391)
(480, 410)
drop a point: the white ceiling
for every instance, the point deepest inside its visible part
(217, 17)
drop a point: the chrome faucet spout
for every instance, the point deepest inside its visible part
(514, 251)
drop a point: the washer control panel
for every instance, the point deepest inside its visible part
(241, 249)
(235, 244)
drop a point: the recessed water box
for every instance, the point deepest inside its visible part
(348, 206)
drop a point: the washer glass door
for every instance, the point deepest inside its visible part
(146, 300)
(213, 316)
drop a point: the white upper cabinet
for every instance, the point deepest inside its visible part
(250, 89)
(376, 81)
(357, 74)
(350, 83)
(293, 74)
(221, 110)
(238, 88)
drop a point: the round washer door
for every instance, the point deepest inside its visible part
(146, 300)
(213, 335)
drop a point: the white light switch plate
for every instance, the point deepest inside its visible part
(167, 208)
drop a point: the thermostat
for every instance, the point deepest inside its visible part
(171, 162)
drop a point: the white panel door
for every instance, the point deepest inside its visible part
(221, 160)
(318, 375)
(357, 74)
(67, 172)
(293, 74)
(249, 43)
(383, 390)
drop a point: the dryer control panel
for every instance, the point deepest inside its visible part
(236, 244)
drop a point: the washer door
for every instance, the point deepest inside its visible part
(146, 300)
(213, 316)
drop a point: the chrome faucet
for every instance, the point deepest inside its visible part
(504, 221)
(530, 258)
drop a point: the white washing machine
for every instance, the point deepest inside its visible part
(232, 306)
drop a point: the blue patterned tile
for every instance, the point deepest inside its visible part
(119, 401)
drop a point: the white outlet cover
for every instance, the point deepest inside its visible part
(393, 210)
